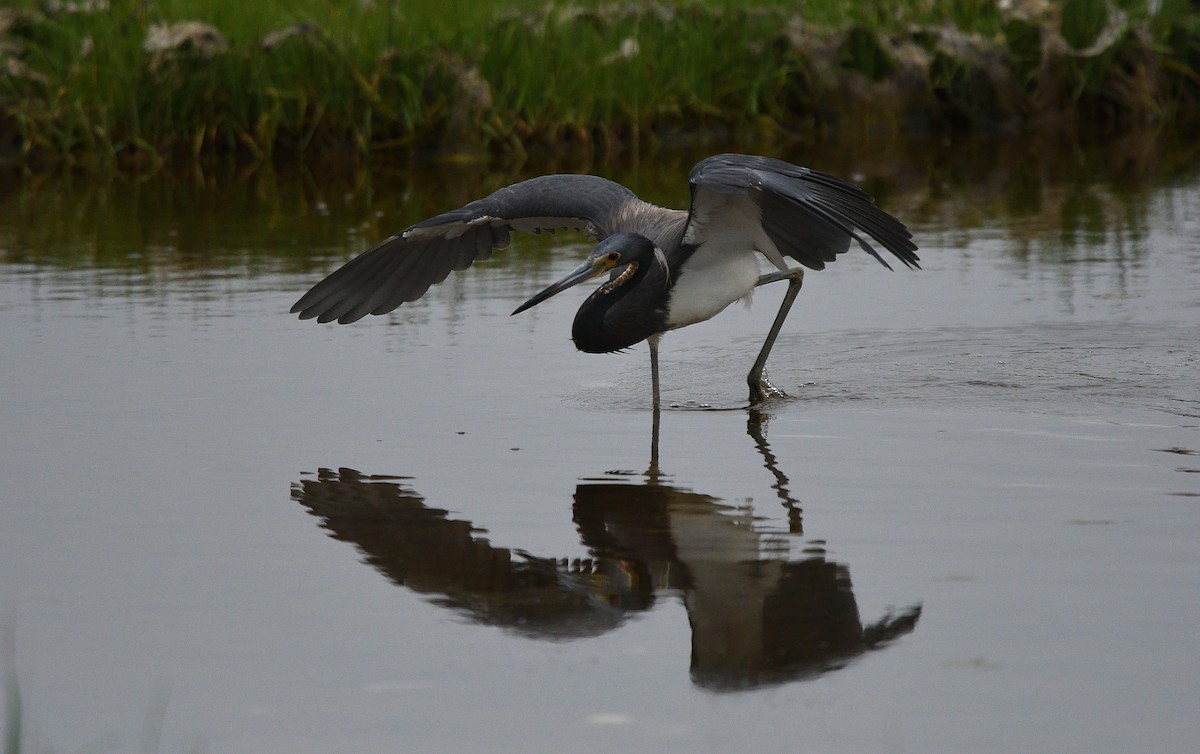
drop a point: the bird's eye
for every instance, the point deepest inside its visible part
(613, 256)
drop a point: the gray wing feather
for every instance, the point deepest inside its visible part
(810, 216)
(403, 267)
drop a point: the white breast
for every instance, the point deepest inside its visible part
(713, 278)
(727, 231)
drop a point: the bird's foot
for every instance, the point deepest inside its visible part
(761, 390)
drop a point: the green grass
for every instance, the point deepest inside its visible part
(371, 76)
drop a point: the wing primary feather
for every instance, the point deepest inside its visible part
(319, 293)
(835, 221)
(843, 211)
(342, 289)
(882, 227)
(394, 287)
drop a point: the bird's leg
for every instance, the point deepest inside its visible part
(652, 473)
(653, 342)
(760, 389)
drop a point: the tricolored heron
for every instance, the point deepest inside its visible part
(667, 268)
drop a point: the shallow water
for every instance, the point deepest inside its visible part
(972, 526)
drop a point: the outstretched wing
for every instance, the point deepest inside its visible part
(404, 266)
(783, 209)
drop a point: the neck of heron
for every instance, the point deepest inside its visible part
(619, 315)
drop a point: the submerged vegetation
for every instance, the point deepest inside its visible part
(132, 79)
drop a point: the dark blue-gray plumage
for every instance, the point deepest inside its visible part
(667, 268)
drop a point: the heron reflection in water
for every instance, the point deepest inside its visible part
(666, 268)
(757, 617)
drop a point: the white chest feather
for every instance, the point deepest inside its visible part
(713, 278)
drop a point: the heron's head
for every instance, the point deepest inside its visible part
(621, 250)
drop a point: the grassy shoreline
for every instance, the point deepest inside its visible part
(97, 81)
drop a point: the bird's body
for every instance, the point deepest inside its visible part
(714, 278)
(667, 268)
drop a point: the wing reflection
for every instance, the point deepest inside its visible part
(421, 548)
(758, 615)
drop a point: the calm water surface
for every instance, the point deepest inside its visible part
(971, 528)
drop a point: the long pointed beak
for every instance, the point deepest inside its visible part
(584, 272)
